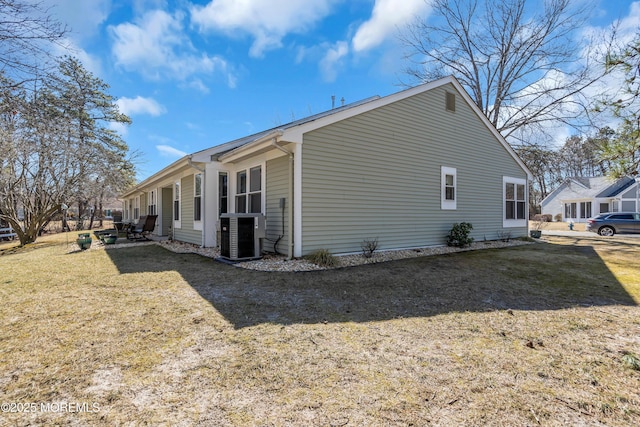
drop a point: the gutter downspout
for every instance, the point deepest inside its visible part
(204, 213)
(274, 142)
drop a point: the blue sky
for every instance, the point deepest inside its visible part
(194, 74)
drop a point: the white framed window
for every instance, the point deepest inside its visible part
(448, 188)
(152, 205)
(197, 201)
(514, 198)
(585, 210)
(249, 190)
(136, 208)
(176, 205)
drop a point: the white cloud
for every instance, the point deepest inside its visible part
(83, 17)
(629, 24)
(141, 6)
(168, 151)
(136, 106)
(268, 22)
(121, 128)
(198, 85)
(386, 18)
(140, 105)
(157, 46)
(90, 62)
(596, 46)
(333, 60)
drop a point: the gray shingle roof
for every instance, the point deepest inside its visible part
(617, 187)
(221, 149)
(589, 188)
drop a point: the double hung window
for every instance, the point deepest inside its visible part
(249, 190)
(152, 203)
(197, 197)
(448, 190)
(515, 202)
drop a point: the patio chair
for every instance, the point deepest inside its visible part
(142, 228)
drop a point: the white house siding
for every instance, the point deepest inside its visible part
(186, 233)
(277, 187)
(377, 175)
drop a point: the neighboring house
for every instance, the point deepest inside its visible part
(401, 169)
(578, 199)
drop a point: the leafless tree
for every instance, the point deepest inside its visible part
(35, 171)
(519, 60)
(27, 32)
(58, 147)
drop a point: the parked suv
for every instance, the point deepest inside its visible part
(608, 224)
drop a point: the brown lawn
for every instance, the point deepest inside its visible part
(542, 334)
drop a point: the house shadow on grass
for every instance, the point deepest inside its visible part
(530, 277)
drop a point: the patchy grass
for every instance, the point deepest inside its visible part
(535, 334)
(563, 226)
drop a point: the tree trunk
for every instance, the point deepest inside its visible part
(93, 216)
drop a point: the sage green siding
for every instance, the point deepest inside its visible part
(186, 233)
(377, 175)
(277, 188)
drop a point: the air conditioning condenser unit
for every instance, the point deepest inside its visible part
(241, 235)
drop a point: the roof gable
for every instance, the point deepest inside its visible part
(294, 131)
(617, 187)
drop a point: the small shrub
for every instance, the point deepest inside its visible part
(459, 235)
(558, 217)
(323, 258)
(369, 247)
